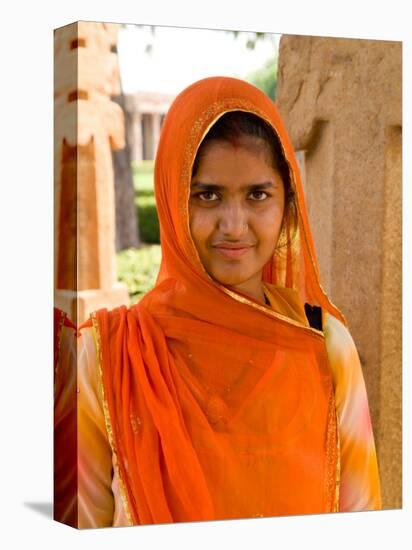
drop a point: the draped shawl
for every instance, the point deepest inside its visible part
(217, 406)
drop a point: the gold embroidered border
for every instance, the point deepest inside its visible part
(337, 486)
(123, 492)
(199, 130)
(332, 477)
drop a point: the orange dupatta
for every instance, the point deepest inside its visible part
(217, 406)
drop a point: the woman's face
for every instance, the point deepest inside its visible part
(236, 207)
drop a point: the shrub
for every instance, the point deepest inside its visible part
(148, 219)
(145, 202)
(138, 269)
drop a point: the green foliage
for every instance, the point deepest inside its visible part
(266, 78)
(145, 202)
(251, 42)
(138, 269)
(143, 175)
(148, 219)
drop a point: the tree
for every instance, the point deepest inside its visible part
(127, 226)
(266, 78)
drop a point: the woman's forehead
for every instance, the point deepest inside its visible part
(242, 141)
(248, 154)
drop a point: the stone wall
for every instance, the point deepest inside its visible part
(341, 102)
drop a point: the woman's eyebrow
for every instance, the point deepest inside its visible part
(217, 187)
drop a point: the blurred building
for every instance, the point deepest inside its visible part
(145, 112)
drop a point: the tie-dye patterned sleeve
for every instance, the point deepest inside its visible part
(99, 499)
(359, 478)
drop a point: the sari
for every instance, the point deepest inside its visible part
(216, 406)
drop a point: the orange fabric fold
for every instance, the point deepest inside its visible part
(216, 406)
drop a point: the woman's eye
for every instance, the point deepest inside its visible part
(258, 195)
(207, 196)
(211, 196)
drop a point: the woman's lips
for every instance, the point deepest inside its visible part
(232, 252)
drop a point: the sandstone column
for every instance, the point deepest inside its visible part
(341, 102)
(88, 125)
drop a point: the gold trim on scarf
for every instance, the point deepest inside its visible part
(337, 487)
(332, 477)
(271, 312)
(123, 492)
(193, 144)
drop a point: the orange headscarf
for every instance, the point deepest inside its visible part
(217, 406)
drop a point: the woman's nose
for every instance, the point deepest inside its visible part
(233, 222)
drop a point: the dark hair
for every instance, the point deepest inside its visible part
(231, 127)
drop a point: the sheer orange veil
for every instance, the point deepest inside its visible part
(193, 112)
(217, 406)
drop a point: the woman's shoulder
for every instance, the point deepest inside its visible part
(96, 335)
(102, 323)
(338, 339)
(342, 353)
(114, 313)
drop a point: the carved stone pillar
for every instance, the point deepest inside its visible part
(341, 102)
(88, 125)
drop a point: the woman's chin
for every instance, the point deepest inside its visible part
(231, 279)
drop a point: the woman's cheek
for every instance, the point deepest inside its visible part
(269, 222)
(201, 225)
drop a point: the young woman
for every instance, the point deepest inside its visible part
(233, 389)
